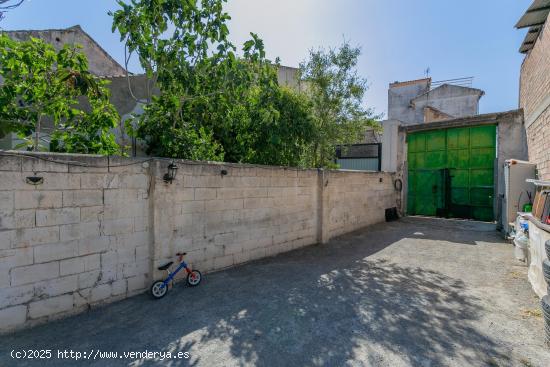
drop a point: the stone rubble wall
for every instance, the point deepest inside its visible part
(97, 228)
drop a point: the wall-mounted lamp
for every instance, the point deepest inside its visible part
(35, 180)
(223, 172)
(171, 174)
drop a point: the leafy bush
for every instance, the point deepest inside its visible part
(43, 87)
(213, 105)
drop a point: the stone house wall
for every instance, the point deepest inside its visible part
(97, 228)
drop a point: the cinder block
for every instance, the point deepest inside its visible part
(12, 317)
(134, 181)
(24, 219)
(6, 200)
(56, 287)
(80, 231)
(132, 239)
(44, 165)
(89, 279)
(110, 274)
(82, 198)
(82, 298)
(224, 238)
(52, 217)
(4, 275)
(96, 245)
(15, 295)
(183, 221)
(217, 205)
(183, 194)
(34, 273)
(38, 199)
(92, 262)
(117, 226)
(10, 180)
(7, 238)
(16, 257)
(92, 213)
(71, 266)
(109, 259)
(10, 163)
(118, 196)
(126, 255)
(50, 306)
(257, 253)
(142, 253)
(119, 287)
(99, 181)
(230, 193)
(89, 163)
(241, 257)
(205, 193)
(137, 283)
(59, 181)
(36, 236)
(7, 220)
(128, 165)
(256, 203)
(141, 224)
(224, 262)
(55, 251)
(135, 269)
(192, 207)
(100, 292)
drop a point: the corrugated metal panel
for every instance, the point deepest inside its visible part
(359, 164)
(358, 150)
(535, 15)
(530, 39)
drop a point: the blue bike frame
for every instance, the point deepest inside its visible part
(171, 275)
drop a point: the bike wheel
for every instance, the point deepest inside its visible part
(194, 278)
(158, 289)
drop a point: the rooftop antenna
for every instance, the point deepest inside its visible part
(427, 72)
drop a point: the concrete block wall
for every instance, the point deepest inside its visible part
(79, 239)
(350, 205)
(535, 101)
(224, 220)
(97, 228)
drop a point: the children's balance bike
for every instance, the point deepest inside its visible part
(160, 287)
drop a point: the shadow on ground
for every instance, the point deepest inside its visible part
(323, 305)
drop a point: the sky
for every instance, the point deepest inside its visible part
(399, 39)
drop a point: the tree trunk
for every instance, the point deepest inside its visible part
(37, 133)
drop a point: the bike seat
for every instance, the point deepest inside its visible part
(165, 266)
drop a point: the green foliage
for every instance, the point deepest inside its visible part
(336, 92)
(213, 105)
(41, 94)
(280, 127)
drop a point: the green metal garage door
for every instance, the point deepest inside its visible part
(451, 172)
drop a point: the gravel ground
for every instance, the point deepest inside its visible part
(417, 292)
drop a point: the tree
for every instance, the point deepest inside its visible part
(336, 92)
(6, 5)
(213, 105)
(50, 99)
